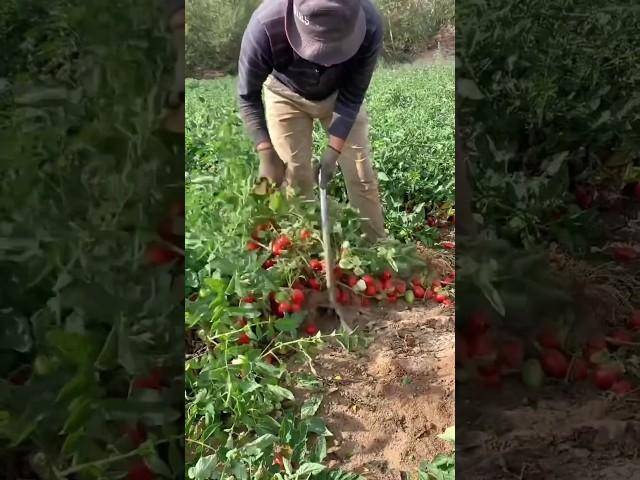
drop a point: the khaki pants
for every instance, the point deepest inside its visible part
(290, 122)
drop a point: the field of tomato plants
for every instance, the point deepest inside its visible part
(549, 304)
(273, 389)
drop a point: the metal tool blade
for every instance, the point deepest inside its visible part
(325, 223)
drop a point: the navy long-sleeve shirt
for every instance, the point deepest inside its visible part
(266, 50)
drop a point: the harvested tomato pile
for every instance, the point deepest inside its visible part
(296, 253)
(488, 357)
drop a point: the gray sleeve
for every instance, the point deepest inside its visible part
(254, 66)
(351, 94)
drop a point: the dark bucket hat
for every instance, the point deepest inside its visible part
(326, 32)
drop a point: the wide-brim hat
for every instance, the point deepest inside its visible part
(326, 32)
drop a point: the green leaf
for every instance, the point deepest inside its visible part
(309, 469)
(320, 450)
(108, 356)
(449, 435)
(468, 89)
(280, 393)
(288, 325)
(310, 406)
(318, 426)
(15, 333)
(259, 444)
(204, 468)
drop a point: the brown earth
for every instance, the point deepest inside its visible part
(562, 433)
(387, 404)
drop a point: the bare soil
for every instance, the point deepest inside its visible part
(387, 404)
(562, 433)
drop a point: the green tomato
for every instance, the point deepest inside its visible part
(409, 296)
(532, 374)
(42, 365)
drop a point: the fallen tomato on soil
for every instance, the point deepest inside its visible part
(605, 377)
(554, 363)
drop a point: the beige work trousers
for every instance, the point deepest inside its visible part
(290, 122)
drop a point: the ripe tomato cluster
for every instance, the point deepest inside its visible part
(488, 356)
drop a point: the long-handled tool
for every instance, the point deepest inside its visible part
(328, 257)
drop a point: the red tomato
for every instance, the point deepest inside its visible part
(284, 308)
(625, 254)
(448, 245)
(440, 298)
(400, 287)
(297, 296)
(296, 307)
(268, 263)
(282, 242)
(392, 298)
(554, 363)
(418, 291)
(252, 246)
(622, 387)
(352, 280)
(311, 329)
(584, 198)
(386, 275)
(371, 291)
(305, 235)
(244, 339)
(316, 265)
(136, 433)
(242, 322)
(605, 377)
(314, 284)
(369, 280)
(151, 382)
(140, 471)
(549, 339)
(248, 299)
(158, 255)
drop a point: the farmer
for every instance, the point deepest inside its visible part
(315, 59)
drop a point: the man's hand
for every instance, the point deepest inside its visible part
(271, 167)
(328, 164)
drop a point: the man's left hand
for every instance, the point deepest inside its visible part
(328, 165)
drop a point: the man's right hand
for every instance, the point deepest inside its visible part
(271, 167)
